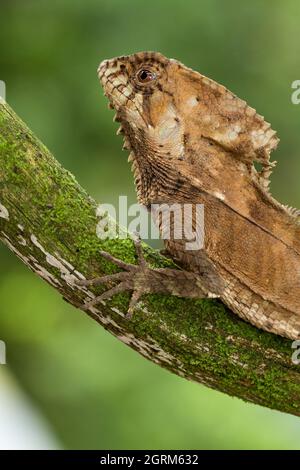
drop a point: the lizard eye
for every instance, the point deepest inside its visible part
(145, 76)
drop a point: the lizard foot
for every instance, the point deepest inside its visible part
(142, 279)
(133, 278)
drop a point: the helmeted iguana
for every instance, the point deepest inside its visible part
(192, 141)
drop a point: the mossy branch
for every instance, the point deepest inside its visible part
(49, 222)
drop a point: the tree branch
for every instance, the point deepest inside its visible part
(49, 222)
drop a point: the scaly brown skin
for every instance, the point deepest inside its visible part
(192, 141)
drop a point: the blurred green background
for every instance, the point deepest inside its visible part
(68, 383)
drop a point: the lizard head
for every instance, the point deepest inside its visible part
(168, 111)
(142, 88)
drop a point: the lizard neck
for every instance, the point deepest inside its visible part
(156, 178)
(147, 178)
(152, 167)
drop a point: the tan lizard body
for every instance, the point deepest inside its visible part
(194, 142)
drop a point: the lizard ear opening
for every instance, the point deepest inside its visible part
(231, 123)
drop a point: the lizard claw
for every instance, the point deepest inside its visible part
(126, 278)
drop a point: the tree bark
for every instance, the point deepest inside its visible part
(49, 222)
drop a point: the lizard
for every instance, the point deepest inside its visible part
(192, 141)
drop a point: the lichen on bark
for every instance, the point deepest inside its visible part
(49, 222)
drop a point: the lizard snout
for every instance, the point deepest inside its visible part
(102, 67)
